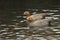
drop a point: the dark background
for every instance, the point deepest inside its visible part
(23, 4)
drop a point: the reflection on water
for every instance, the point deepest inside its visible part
(14, 26)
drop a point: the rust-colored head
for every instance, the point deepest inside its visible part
(30, 19)
(27, 13)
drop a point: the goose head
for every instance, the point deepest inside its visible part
(27, 13)
(30, 19)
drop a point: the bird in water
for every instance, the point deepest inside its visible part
(37, 19)
(34, 17)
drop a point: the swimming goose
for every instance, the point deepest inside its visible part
(34, 17)
(37, 20)
(42, 22)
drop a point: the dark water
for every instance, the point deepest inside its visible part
(13, 24)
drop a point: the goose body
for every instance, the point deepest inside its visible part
(40, 23)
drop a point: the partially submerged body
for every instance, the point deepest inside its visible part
(43, 22)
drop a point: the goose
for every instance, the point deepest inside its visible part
(42, 22)
(37, 20)
(34, 17)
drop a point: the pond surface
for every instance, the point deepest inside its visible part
(13, 26)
